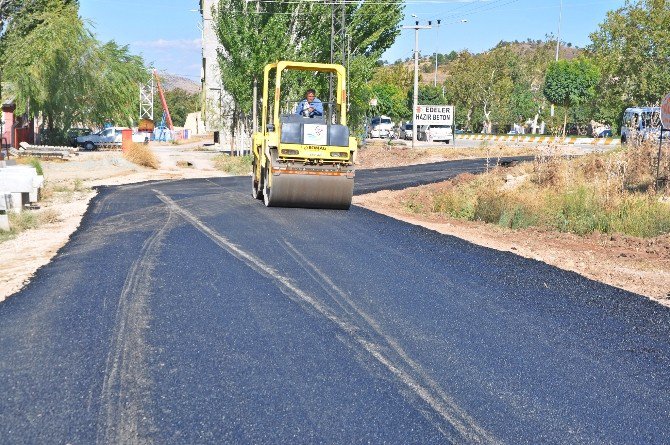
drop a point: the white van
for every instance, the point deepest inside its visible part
(640, 124)
(381, 127)
(435, 133)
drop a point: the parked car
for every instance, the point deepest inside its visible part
(107, 137)
(405, 131)
(640, 124)
(74, 133)
(381, 127)
(435, 133)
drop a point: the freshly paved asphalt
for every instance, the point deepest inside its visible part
(187, 312)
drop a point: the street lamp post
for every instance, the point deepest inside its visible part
(416, 27)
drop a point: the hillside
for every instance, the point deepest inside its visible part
(172, 82)
(524, 49)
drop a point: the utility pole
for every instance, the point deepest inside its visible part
(338, 38)
(437, 39)
(416, 27)
(558, 42)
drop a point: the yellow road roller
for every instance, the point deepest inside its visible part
(303, 158)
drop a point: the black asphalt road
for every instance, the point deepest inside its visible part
(187, 312)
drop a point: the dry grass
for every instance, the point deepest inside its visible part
(63, 191)
(29, 219)
(142, 155)
(606, 193)
(235, 165)
(33, 162)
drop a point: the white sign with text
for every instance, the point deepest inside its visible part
(434, 115)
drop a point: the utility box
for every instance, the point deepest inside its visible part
(126, 139)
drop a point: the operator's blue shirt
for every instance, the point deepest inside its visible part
(316, 104)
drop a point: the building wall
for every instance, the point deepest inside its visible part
(8, 124)
(216, 103)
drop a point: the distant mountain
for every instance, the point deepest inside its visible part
(172, 82)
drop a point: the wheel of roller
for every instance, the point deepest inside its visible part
(267, 192)
(256, 186)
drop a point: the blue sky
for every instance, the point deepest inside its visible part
(166, 32)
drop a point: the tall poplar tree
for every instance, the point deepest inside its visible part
(255, 32)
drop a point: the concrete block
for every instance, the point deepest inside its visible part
(4, 205)
(38, 183)
(19, 179)
(4, 222)
(16, 202)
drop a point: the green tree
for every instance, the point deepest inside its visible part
(632, 50)
(426, 95)
(254, 33)
(180, 103)
(390, 101)
(570, 82)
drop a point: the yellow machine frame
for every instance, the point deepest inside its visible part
(273, 158)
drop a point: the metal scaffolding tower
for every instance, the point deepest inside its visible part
(147, 100)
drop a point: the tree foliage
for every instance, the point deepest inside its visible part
(632, 50)
(391, 100)
(571, 83)
(180, 103)
(254, 33)
(56, 69)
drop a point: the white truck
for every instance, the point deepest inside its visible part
(435, 133)
(381, 127)
(107, 137)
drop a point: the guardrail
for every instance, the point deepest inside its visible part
(540, 139)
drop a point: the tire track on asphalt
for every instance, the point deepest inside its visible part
(451, 417)
(410, 372)
(126, 383)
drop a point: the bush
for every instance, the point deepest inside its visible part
(33, 162)
(141, 154)
(607, 193)
(28, 219)
(36, 164)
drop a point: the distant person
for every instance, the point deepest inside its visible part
(310, 106)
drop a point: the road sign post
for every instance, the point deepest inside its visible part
(665, 126)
